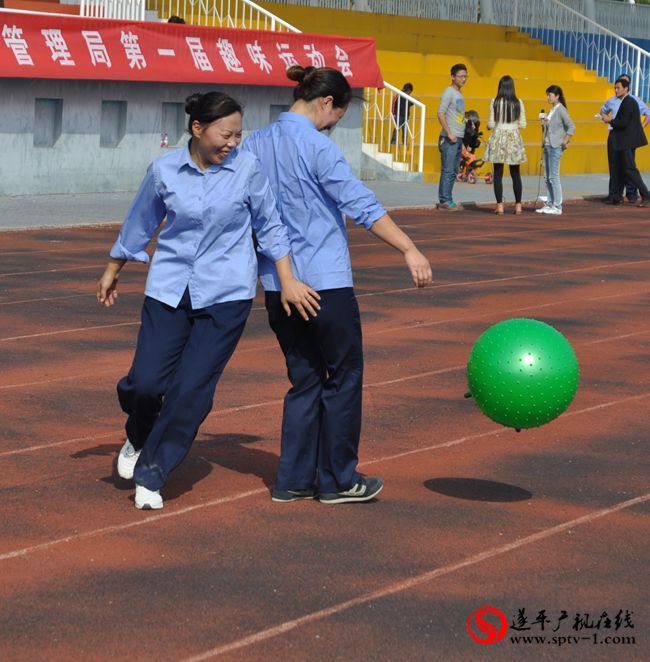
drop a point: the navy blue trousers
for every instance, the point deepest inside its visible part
(180, 355)
(321, 425)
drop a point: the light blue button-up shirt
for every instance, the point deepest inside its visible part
(314, 187)
(206, 244)
(614, 103)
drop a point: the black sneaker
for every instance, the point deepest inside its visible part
(364, 490)
(285, 496)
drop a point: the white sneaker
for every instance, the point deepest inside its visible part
(555, 211)
(146, 499)
(126, 460)
(543, 210)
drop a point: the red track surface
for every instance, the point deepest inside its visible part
(554, 518)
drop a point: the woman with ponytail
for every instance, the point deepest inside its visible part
(200, 285)
(316, 189)
(558, 129)
(505, 146)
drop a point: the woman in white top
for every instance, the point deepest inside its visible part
(558, 129)
(507, 117)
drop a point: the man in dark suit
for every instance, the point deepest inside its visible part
(627, 134)
(400, 110)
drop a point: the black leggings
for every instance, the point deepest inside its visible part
(498, 182)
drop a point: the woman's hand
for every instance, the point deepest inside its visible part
(419, 267)
(107, 284)
(565, 142)
(302, 297)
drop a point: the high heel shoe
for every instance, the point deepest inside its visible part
(518, 208)
(499, 210)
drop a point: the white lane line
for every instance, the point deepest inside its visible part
(413, 582)
(56, 380)
(48, 271)
(63, 251)
(501, 430)
(116, 434)
(121, 527)
(422, 292)
(611, 338)
(115, 371)
(403, 327)
(62, 331)
(58, 297)
(242, 495)
(435, 223)
(510, 311)
(489, 281)
(520, 231)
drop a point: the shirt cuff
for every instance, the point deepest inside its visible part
(277, 252)
(370, 217)
(120, 252)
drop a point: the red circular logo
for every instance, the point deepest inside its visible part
(488, 633)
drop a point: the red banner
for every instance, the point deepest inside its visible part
(58, 46)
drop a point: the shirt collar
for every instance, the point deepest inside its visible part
(186, 160)
(297, 118)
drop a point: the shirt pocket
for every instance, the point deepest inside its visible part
(225, 206)
(184, 206)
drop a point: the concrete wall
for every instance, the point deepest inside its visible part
(76, 163)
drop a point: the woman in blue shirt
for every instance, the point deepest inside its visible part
(315, 188)
(199, 288)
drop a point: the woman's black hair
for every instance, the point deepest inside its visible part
(209, 107)
(506, 104)
(556, 89)
(322, 82)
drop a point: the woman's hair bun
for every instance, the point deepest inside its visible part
(300, 74)
(296, 72)
(191, 102)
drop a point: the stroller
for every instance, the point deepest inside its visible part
(469, 162)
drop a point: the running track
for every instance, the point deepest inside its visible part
(473, 514)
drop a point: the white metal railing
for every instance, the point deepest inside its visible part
(128, 10)
(222, 13)
(379, 123)
(448, 10)
(623, 18)
(569, 31)
(389, 125)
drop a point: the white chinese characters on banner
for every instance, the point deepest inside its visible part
(133, 51)
(56, 43)
(96, 48)
(59, 47)
(13, 38)
(229, 57)
(316, 57)
(286, 55)
(343, 62)
(257, 56)
(199, 56)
